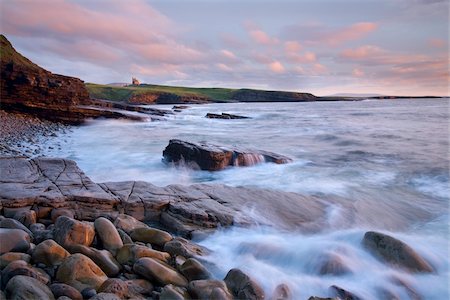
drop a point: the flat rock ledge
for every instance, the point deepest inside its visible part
(212, 157)
(44, 184)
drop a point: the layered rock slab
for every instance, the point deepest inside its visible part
(46, 184)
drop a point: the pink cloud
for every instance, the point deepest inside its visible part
(437, 43)
(307, 57)
(228, 54)
(262, 38)
(362, 52)
(224, 67)
(292, 47)
(358, 72)
(276, 67)
(353, 32)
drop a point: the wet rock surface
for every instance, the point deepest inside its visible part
(224, 116)
(210, 157)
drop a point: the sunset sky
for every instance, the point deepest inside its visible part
(397, 47)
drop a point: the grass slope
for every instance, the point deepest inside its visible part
(124, 93)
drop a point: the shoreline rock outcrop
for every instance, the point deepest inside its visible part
(214, 158)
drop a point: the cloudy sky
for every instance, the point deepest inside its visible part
(397, 47)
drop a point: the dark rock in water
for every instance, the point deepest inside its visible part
(395, 252)
(180, 107)
(202, 289)
(282, 292)
(192, 269)
(242, 286)
(224, 116)
(185, 248)
(344, 294)
(213, 158)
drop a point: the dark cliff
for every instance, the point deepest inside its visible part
(29, 88)
(247, 95)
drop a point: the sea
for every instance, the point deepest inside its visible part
(388, 158)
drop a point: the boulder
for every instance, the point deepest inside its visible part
(49, 253)
(126, 239)
(130, 253)
(80, 272)
(61, 289)
(20, 267)
(155, 270)
(151, 235)
(106, 296)
(139, 286)
(282, 292)
(192, 269)
(14, 224)
(242, 286)
(9, 257)
(344, 294)
(116, 286)
(102, 258)
(224, 116)
(214, 158)
(171, 292)
(69, 232)
(108, 235)
(184, 247)
(128, 223)
(202, 289)
(395, 252)
(25, 287)
(57, 212)
(26, 217)
(331, 263)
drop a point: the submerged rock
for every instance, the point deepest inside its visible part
(242, 286)
(224, 116)
(396, 252)
(214, 158)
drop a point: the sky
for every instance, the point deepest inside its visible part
(389, 47)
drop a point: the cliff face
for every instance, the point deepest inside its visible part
(165, 98)
(27, 87)
(245, 95)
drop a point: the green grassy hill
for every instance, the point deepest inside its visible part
(114, 93)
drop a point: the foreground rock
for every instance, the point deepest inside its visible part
(395, 252)
(24, 287)
(225, 116)
(242, 286)
(214, 158)
(55, 187)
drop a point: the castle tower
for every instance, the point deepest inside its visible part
(134, 81)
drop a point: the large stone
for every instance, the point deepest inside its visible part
(282, 292)
(242, 286)
(69, 232)
(225, 116)
(118, 287)
(192, 269)
(106, 296)
(23, 287)
(62, 289)
(9, 257)
(20, 267)
(184, 247)
(171, 292)
(80, 272)
(151, 235)
(214, 158)
(49, 253)
(140, 286)
(26, 217)
(130, 253)
(202, 289)
(128, 223)
(14, 224)
(107, 233)
(158, 271)
(395, 252)
(102, 258)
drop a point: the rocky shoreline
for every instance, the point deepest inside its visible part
(66, 237)
(28, 136)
